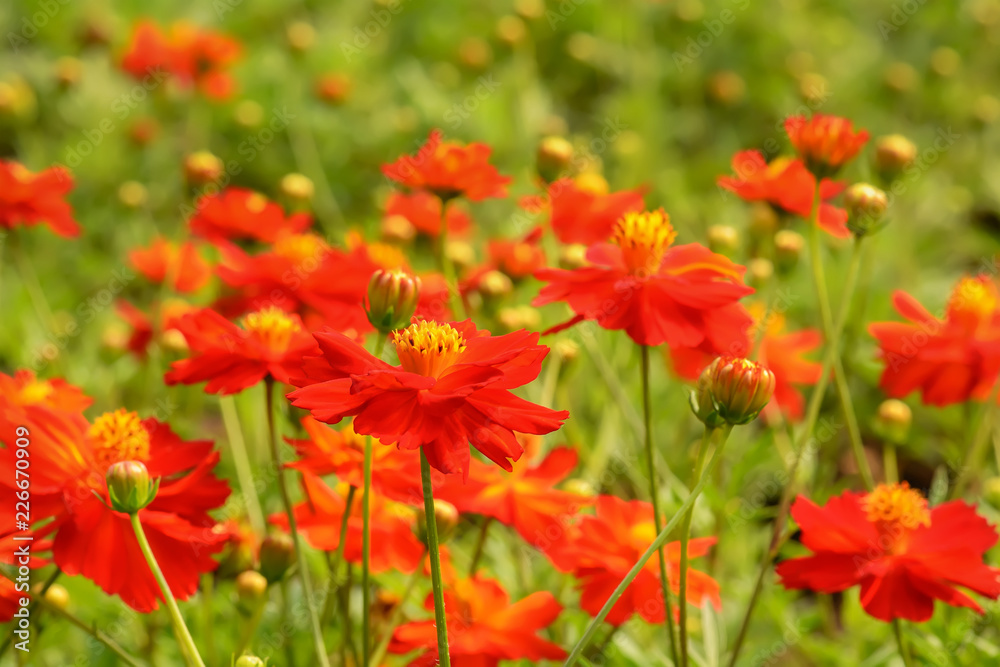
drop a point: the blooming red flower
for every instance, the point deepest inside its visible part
(601, 550)
(483, 627)
(194, 56)
(161, 326)
(949, 360)
(25, 390)
(582, 213)
(684, 295)
(69, 460)
(181, 264)
(30, 199)
(825, 143)
(525, 499)
(423, 210)
(237, 213)
(452, 388)
(268, 343)
(788, 185)
(518, 258)
(395, 546)
(902, 554)
(449, 170)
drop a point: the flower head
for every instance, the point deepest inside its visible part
(579, 213)
(180, 264)
(237, 213)
(392, 299)
(740, 389)
(30, 199)
(825, 143)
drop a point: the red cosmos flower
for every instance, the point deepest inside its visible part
(518, 258)
(449, 170)
(603, 548)
(949, 360)
(452, 388)
(268, 343)
(788, 185)
(685, 296)
(23, 390)
(525, 499)
(395, 472)
(319, 518)
(181, 264)
(238, 213)
(145, 329)
(194, 56)
(69, 460)
(423, 210)
(30, 199)
(825, 143)
(483, 627)
(902, 554)
(581, 213)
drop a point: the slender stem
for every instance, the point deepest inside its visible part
(244, 474)
(183, 634)
(321, 656)
(889, 462)
(208, 616)
(366, 554)
(334, 563)
(345, 611)
(447, 268)
(250, 628)
(658, 543)
(440, 620)
(977, 449)
(93, 632)
(397, 613)
(904, 653)
(647, 411)
(685, 537)
(477, 554)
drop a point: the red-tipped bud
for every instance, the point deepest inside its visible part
(392, 299)
(130, 487)
(740, 389)
(866, 206)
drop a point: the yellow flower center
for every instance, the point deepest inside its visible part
(35, 392)
(118, 436)
(256, 202)
(973, 302)
(428, 348)
(300, 248)
(772, 321)
(644, 238)
(273, 327)
(643, 533)
(386, 256)
(896, 509)
(593, 183)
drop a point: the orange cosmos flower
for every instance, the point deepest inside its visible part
(186, 270)
(449, 170)
(452, 388)
(601, 550)
(685, 296)
(484, 628)
(950, 360)
(319, 516)
(30, 199)
(238, 213)
(25, 390)
(825, 143)
(423, 210)
(268, 343)
(395, 472)
(69, 461)
(788, 185)
(583, 213)
(902, 554)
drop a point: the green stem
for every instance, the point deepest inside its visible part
(447, 268)
(657, 544)
(93, 632)
(366, 552)
(31, 607)
(904, 653)
(208, 616)
(286, 499)
(397, 613)
(477, 554)
(889, 462)
(334, 563)
(647, 411)
(244, 474)
(977, 449)
(685, 537)
(440, 620)
(183, 634)
(250, 628)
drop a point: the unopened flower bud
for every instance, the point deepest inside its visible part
(554, 157)
(397, 229)
(392, 299)
(759, 271)
(57, 596)
(788, 247)
(129, 486)
(573, 256)
(251, 588)
(248, 114)
(68, 71)
(297, 187)
(866, 206)
(740, 389)
(460, 253)
(276, 555)
(249, 661)
(518, 317)
(723, 239)
(892, 421)
(566, 350)
(700, 399)
(495, 284)
(763, 218)
(446, 518)
(300, 36)
(132, 194)
(202, 167)
(893, 154)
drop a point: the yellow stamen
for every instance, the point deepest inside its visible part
(643, 533)
(301, 248)
(118, 436)
(386, 256)
(273, 326)
(644, 238)
(973, 301)
(895, 506)
(428, 348)
(35, 392)
(256, 202)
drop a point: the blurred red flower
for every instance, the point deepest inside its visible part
(600, 550)
(902, 554)
(180, 264)
(25, 390)
(787, 184)
(452, 388)
(583, 213)
(950, 360)
(825, 143)
(238, 213)
(423, 210)
(449, 170)
(30, 199)
(69, 461)
(484, 628)
(319, 516)
(162, 326)
(685, 296)
(268, 343)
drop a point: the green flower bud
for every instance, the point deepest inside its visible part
(740, 389)
(892, 422)
(249, 661)
(866, 206)
(554, 157)
(446, 518)
(392, 299)
(788, 246)
(251, 588)
(701, 399)
(277, 554)
(893, 154)
(129, 486)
